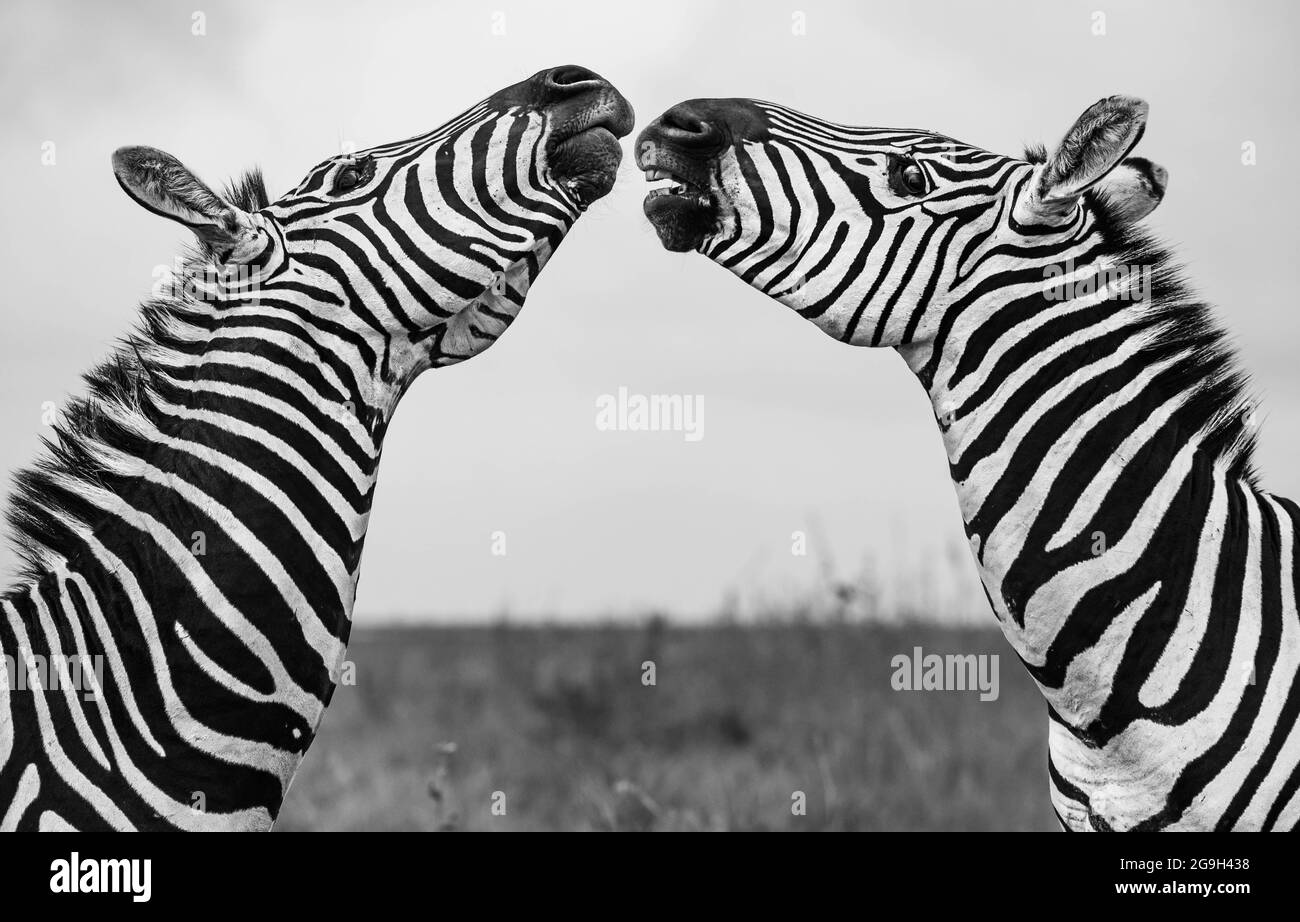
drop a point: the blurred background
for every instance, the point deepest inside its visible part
(521, 672)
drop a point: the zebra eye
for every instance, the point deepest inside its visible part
(906, 177)
(912, 178)
(353, 175)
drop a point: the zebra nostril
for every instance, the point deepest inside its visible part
(570, 78)
(707, 126)
(689, 128)
(684, 121)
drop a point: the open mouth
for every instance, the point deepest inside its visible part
(677, 186)
(682, 209)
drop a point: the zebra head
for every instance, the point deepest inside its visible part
(874, 233)
(417, 253)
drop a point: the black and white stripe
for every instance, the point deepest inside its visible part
(198, 517)
(1097, 435)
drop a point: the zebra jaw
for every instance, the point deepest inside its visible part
(584, 193)
(683, 214)
(586, 164)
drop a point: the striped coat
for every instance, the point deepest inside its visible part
(193, 533)
(1096, 431)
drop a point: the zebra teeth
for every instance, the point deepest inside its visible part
(675, 186)
(680, 189)
(673, 189)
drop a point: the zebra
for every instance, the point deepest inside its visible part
(1098, 432)
(195, 525)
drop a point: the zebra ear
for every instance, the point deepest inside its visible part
(1133, 189)
(164, 185)
(1101, 137)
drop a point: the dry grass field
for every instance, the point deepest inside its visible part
(558, 721)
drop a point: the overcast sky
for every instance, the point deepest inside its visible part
(799, 432)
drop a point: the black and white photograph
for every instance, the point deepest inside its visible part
(814, 417)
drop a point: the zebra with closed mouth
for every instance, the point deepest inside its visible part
(1095, 426)
(196, 523)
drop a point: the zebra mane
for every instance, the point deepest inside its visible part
(101, 438)
(248, 192)
(1036, 153)
(1180, 324)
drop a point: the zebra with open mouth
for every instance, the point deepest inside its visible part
(1095, 426)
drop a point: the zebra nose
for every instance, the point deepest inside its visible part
(581, 99)
(705, 127)
(571, 80)
(689, 125)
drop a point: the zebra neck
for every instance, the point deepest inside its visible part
(1080, 421)
(298, 440)
(198, 531)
